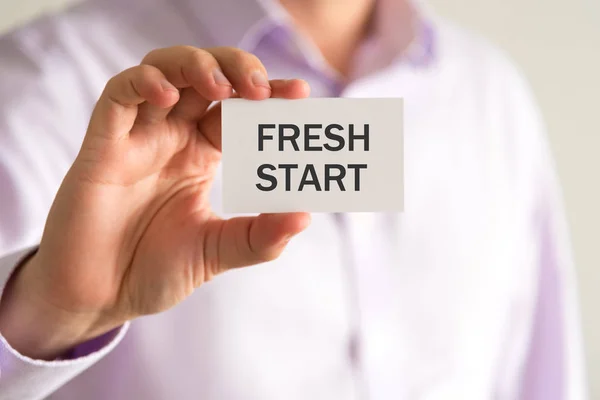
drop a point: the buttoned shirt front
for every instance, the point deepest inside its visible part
(468, 294)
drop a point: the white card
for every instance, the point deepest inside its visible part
(314, 155)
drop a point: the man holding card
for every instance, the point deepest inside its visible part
(436, 264)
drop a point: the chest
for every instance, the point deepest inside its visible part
(413, 305)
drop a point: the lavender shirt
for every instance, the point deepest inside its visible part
(431, 304)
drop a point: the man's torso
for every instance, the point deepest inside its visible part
(426, 304)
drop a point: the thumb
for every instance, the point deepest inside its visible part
(245, 241)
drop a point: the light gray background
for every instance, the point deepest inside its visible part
(557, 44)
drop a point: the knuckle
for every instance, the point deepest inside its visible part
(151, 56)
(126, 83)
(254, 60)
(199, 59)
(115, 85)
(113, 82)
(244, 59)
(144, 72)
(226, 50)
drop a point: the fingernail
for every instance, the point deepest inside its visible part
(220, 78)
(167, 86)
(259, 79)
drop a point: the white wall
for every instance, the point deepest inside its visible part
(557, 44)
(15, 12)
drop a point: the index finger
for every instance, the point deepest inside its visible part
(213, 72)
(187, 66)
(210, 124)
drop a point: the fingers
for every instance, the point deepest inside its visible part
(191, 107)
(290, 89)
(245, 71)
(148, 93)
(187, 66)
(210, 125)
(212, 74)
(247, 241)
(117, 108)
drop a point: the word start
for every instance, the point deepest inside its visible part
(289, 136)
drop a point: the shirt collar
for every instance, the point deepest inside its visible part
(237, 23)
(401, 27)
(403, 32)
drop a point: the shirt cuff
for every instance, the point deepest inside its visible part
(22, 377)
(93, 345)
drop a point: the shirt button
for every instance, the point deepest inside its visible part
(354, 349)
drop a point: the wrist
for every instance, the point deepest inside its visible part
(37, 329)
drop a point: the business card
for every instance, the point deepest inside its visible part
(314, 155)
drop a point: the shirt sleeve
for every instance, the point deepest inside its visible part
(24, 378)
(553, 368)
(542, 358)
(44, 110)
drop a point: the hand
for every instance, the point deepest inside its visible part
(131, 231)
